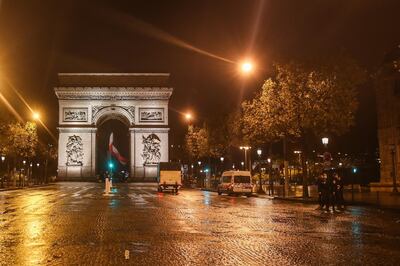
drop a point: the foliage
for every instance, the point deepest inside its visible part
(196, 142)
(22, 139)
(303, 100)
(46, 151)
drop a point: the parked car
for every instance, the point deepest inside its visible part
(235, 182)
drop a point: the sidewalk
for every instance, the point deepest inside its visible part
(384, 200)
(25, 187)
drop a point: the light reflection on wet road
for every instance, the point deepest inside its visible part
(74, 224)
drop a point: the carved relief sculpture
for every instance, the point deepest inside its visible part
(75, 114)
(151, 149)
(74, 151)
(151, 114)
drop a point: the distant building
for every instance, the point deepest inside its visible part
(388, 107)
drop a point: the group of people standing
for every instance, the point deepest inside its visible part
(330, 191)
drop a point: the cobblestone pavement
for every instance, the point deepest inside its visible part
(75, 224)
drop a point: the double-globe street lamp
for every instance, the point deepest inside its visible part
(245, 148)
(260, 189)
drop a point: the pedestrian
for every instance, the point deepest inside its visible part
(332, 192)
(319, 187)
(339, 192)
(325, 193)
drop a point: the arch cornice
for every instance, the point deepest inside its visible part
(113, 93)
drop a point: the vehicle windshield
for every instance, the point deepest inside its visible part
(226, 179)
(241, 179)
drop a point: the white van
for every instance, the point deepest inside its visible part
(235, 182)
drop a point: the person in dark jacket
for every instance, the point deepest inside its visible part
(332, 192)
(325, 192)
(319, 186)
(339, 199)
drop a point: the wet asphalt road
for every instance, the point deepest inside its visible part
(74, 224)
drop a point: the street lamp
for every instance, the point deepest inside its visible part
(242, 163)
(188, 117)
(3, 158)
(199, 163)
(325, 141)
(260, 189)
(245, 148)
(246, 67)
(35, 116)
(394, 168)
(222, 159)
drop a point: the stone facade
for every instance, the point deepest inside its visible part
(388, 108)
(86, 101)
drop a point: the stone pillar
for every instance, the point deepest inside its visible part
(82, 162)
(132, 153)
(146, 160)
(93, 155)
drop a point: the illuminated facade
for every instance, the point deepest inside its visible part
(388, 107)
(139, 100)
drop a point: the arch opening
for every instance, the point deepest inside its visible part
(119, 127)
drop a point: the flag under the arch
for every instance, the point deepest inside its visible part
(114, 151)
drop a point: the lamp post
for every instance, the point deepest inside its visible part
(260, 189)
(242, 163)
(271, 182)
(3, 158)
(245, 148)
(222, 164)
(394, 168)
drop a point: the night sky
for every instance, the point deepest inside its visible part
(38, 39)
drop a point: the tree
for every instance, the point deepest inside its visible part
(22, 139)
(304, 101)
(197, 142)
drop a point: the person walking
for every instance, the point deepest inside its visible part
(332, 192)
(325, 193)
(339, 192)
(319, 187)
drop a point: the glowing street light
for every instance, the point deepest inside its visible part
(36, 116)
(222, 159)
(246, 67)
(188, 117)
(325, 141)
(245, 148)
(3, 158)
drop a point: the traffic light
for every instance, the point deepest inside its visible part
(110, 165)
(355, 170)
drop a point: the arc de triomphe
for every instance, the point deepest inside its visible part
(139, 100)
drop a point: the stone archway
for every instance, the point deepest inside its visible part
(120, 130)
(139, 101)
